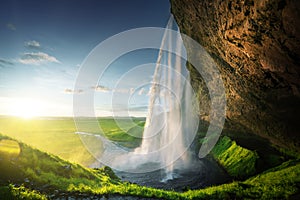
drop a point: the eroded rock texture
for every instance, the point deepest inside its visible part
(256, 45)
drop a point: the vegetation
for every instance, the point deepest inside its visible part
(130, 138)
(239, 162)
(56, 135)
(278, 183)
(41, 170)
(12, 192)
(28, 173)
(9, 148)
(274, 184)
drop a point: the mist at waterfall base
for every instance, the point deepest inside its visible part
(164, 159)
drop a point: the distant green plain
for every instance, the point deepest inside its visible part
(57, 135)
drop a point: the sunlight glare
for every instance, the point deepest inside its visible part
(26, 108)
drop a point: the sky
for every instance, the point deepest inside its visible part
(44, 42)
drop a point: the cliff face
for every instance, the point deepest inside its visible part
(256, 45)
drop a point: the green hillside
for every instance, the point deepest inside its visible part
(28, 173)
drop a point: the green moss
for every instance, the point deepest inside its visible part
(289, 153)
(11, 192)
(277, 184)
(239, 162)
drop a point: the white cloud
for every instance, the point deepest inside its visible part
(32, 44)
(70, 91)
(37, 58)
(10, 26)
(101, 88)
(130, 91)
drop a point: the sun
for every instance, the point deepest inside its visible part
(26, 108)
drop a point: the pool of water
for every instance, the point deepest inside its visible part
(201, 173)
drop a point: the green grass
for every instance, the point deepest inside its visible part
(56, 135)
(28, 173)
(239, 162)
(9, 148)
(130, 134)
(38, 170)
(277, 184)
(12, 192)
(43, 168)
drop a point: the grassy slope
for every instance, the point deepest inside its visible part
(39, 170)
(239, 162)
(277, 183)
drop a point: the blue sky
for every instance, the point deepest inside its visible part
(43, 43)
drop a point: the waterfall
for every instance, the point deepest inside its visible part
(171, 115)
(171, 123)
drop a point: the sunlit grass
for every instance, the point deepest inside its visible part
(126, 133)
(41, 170)
(239, 162)
(21, 192)
(53, 136)
(277, 184)
(56, 135)
(9, 148)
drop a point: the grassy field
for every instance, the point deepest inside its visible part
(30, 173)
(33, 174)
(56, 135)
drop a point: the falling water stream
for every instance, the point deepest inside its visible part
(172, 116)
(164, 159)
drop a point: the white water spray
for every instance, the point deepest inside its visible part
(171, 118)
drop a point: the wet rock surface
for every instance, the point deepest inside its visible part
(256, 46)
